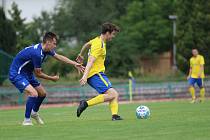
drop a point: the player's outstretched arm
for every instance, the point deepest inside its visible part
(84, 49)
(38, 72)
(64, 59)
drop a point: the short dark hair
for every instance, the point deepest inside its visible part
(109, 27)
(49, 36)
(195, 49)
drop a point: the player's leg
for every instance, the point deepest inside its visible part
(94, 101)
(32, 95)
(202, 89)
(23, 85)
(100, 83)
(41, 96)
(110, 95)
(113, 103)
(191, 82)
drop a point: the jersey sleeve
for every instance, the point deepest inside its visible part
(36, 60)
(95, 50)
(202, 62)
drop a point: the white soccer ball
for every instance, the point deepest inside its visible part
(142, 112)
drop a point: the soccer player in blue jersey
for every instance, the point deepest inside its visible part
(26, 65)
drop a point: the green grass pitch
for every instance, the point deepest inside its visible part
(175, 120)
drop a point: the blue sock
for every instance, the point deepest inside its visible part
(38, 103)
(29, 105)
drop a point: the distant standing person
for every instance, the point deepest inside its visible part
(196, 75)
(94, 72)
(27, 63)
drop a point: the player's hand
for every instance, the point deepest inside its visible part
(199, 75)
(80, 59)
(55, 78)
(83, 81)
(79, 68)
(188, 77)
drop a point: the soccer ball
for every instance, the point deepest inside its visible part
(142, 112)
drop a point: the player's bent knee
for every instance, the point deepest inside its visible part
(30, 91)
(42, 94)
(115, 93)
(112, 94)
(41, 91)
(34, 95)
(109, 97)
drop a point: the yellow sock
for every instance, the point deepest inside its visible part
(96, 100)
(114, 107)
(192, 92)
(202, 93)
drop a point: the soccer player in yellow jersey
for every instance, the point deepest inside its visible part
(94, 72)
(196, 75)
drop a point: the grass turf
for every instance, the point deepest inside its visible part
(169, 120)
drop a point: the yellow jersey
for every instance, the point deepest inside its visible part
(195, 64)
(97, 50)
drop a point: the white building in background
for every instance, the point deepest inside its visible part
(30, 8)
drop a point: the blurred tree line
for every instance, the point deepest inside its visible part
(146, 30)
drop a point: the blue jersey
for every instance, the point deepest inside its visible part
(27, 59)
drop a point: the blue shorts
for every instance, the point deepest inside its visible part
(198, 81)
(99, 82)
(21, 81)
